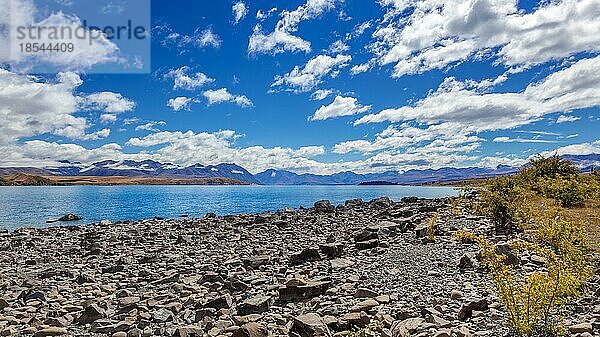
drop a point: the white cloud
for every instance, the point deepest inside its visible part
(183, 80)
(505, 139)
(576, 149)
(338, 47)
(188, 148)
(321, 94)
(240, 11)
(341, 106)
(282, 38)
(311, 75)
(109, 102)
(566, 119)
(30, 106)
(207, 38)
(150, 126)
(575, 87)
(223, 95)
(108, 118)
(261, 15)
(179, 103)
(86, 53)
(37, 153)
(431, 140)
(360, 68)
(437, 34)
(201, 38)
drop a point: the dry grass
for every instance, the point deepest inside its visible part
(589, 215)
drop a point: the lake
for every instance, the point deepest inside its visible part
(33, 205)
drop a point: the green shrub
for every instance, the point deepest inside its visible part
(551, 167)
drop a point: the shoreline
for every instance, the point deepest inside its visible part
(292, 272)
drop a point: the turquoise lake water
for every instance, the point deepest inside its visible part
(32, 206)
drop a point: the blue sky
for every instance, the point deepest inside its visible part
(319, 86)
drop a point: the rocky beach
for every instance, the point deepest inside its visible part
(296, 272)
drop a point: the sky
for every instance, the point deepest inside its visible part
(319, 86)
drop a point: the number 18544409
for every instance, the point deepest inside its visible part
(36, 47)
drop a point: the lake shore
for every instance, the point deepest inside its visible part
(297, 272)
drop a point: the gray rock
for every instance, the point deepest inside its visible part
(255, 305)
(90, 314)
(310, 325)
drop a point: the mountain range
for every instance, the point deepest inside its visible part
(153, 169)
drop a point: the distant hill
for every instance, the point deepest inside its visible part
(238, 174)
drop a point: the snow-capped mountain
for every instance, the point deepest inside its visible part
(150, 168)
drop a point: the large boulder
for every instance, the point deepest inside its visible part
(189, 331)
(383, 202)
(303, 291)
(332, 250)
(310, 325)
(90, 314)
(466, 311)
(306, 255)
(406, 327)
(324, 206)
(251, 329)
(255, 305)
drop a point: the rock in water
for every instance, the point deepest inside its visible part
(70, 217)
(310, 325)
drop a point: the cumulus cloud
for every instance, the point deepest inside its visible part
(30, 106)
(38, 153)
(179, 103)
(306, 78)
(150, 126)
(262, 15)
(437, 34)
(338, 47)
(182, 79)
(109, 102)
(575, 87)
(223, 95)
(240, 10)
(567, 119)
(341, 106)
(281, 39)
(576, 149)
(321, 94)
(505, 139)
(86, 53)
(434, 139)
(188, 148)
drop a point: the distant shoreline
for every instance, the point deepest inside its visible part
(31, 180)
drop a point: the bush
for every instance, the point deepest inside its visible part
(533, 301)
(551, 167)
(567, 191)
(532, 200)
